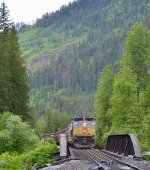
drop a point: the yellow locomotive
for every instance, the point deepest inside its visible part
(81, 132)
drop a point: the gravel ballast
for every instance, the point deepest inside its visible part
(72, 165)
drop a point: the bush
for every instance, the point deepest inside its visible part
(37, 157)
(5, 141)
(47, 141)
(40, 156)
(10, 162)
(23, 137)
(3, 119)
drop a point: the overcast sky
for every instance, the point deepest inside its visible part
(28, 10)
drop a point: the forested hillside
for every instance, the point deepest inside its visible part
(67, 50)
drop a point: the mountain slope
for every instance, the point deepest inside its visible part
(67, 50)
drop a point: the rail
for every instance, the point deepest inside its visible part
(104, 160)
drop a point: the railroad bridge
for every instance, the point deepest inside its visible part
(121, 144)
(78, 140)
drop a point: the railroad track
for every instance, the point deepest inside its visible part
(104, 160)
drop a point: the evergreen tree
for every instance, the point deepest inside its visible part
(18, 77)
(5, 23)
(5, 85)
(4, 75)
(13, 76)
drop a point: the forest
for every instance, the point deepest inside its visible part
(67, 50)
(85, 58)
(20, 146)
(122, 102)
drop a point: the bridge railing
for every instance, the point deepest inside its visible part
(54, 135)
(124, 144)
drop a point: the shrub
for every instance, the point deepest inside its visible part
(40, 156)
(23, 137)
(37, 157)
(10, 162)
(3, 119)
(5, 141)
(47, 141)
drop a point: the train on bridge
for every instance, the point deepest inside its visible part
(80, 133)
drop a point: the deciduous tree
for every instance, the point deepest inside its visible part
(104, 92)
(124, 107)
(137, 55)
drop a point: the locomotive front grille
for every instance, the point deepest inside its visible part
(84, 142)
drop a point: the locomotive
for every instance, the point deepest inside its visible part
(81, 132)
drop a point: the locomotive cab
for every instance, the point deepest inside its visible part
(83, 132)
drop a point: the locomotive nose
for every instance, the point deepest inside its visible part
(84, 130)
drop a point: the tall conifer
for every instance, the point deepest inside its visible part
(13, 76)
(5, 23)
(18, 76)
(4, 75)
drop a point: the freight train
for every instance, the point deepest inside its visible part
(81, 132)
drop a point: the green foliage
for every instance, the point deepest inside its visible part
(48, 141)
(102, 105)
(52, 121)
(40, 125)
(10, 161)
(123, 100)
(137, 57)
(68, 49)
(129, 101)
(5, 23)
(22, 135)
(18, 77)
(145, 100)
(6, 141)
(137, 54)
(13, 76)
(4, 76)
(16, 135)
(146, 135)
(3, 119)
(64, 101)
(40, 156)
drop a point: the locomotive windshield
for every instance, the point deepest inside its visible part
(79, 122)
(82, 131)
(89, 119)
(78, 119)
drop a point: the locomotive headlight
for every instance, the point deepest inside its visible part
(84, 124)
